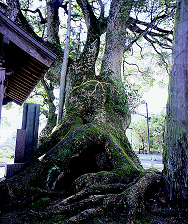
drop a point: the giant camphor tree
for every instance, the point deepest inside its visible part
(87, 161)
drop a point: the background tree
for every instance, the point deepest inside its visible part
(87, 161)
(156, 128)
(140, 132)
(176, 153)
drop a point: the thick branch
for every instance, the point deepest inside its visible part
(116, 38)
(51, 122)
(102, 9)
(136, 21)
(43, 20)
(162, 57)
(162, 33)
(142, 73)
(15, 14)
(87, 11)
(137, 29)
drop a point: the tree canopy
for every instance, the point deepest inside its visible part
(160, 42)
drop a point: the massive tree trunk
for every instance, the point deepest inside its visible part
(87, 161)
(176, 140)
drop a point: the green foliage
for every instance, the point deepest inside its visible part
(33, 18)
(153, 8)
(134, 96)
(8, 106)
(6, 153)
(25, 3)
(38, 95)
(143, 67)
(140, 132)
(5, 122)
(156, 128)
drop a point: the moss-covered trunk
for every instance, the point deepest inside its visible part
(176, 141)
(87, 161)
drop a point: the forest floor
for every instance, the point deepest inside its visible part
(158, 210)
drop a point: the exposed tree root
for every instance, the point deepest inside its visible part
(135, 194)
(96, 201)
(87, 169)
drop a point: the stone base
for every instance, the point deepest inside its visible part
(10, 169)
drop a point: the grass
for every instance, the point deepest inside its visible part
(6, 155)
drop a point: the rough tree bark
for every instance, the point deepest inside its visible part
(176, 151)
(87, 161)
(51, 116)
(53, 21)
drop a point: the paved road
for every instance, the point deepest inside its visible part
(145, 161)
(2, 170)
(151, 160)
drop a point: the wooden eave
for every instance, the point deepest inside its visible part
(25, 57)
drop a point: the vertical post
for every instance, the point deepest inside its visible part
(30, 122)
(37, 113)
(24, 118)
(29, 131)
(2, 78)
(148, 127)
(20, 146)
(64, 68)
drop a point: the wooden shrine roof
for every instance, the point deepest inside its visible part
(25, 57)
